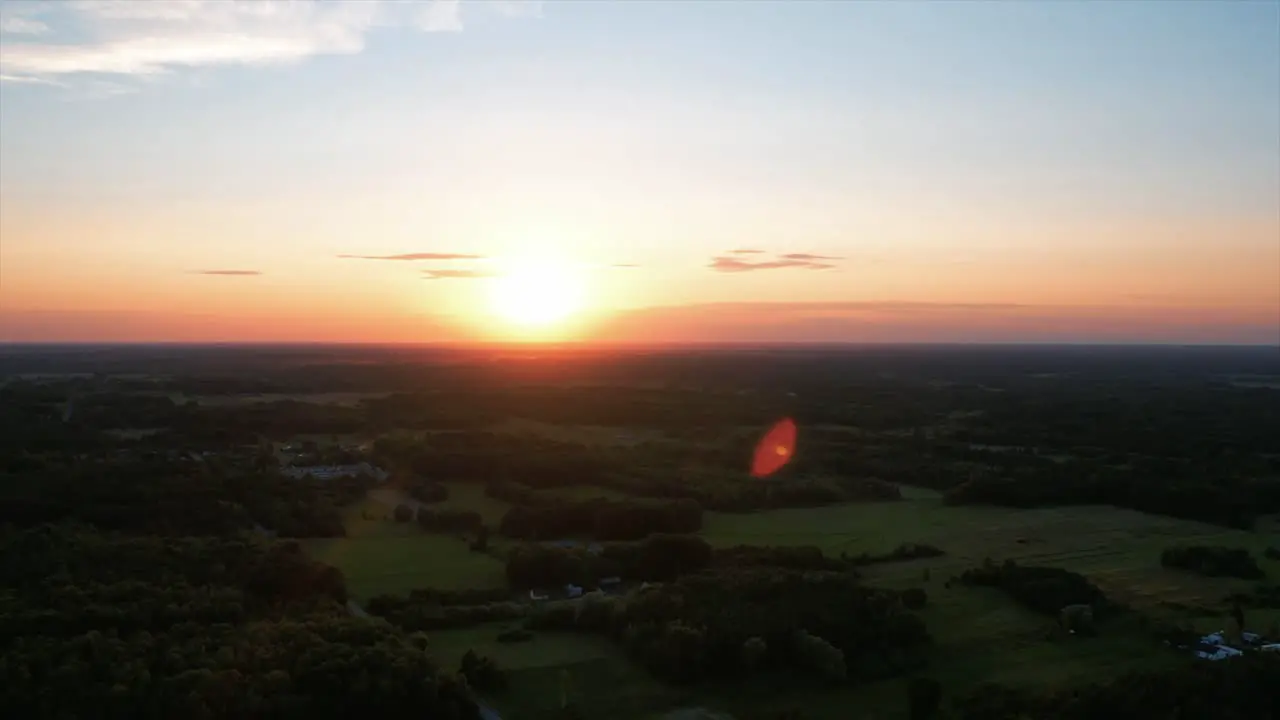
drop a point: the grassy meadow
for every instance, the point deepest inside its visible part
(381, 556)
(981, 635)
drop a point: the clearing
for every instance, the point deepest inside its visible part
(382, 556)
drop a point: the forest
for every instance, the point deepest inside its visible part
(157, 560)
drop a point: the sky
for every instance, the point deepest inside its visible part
(704, 171)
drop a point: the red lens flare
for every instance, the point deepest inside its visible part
(775, 449)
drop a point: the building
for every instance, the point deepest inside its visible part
(329, 472)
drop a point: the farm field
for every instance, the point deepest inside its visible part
(345, 399)
(382, 556)
(1117, 549)
(980, 634)
(374, 565)
(593, 673)
(580, 434)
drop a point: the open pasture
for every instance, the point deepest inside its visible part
(1117, 549)
(593, 435)
(590, 671)
(396, 564)
(380, 556)
(344, 399)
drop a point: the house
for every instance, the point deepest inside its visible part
(1219, 652)
(329, 472)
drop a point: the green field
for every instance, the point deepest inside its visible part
(593, 672)
(981, 635)
(345, 399)
(382, 556)
(1117, 549)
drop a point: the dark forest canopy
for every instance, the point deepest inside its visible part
(108, 626)
(137, 578)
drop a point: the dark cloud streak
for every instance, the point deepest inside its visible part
(807, 257)
(734, 265)
(416, 256)
(456, 274)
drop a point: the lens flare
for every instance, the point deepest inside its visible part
(774, 449)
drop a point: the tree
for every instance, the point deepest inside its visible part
(754, 650)
(1077, 618)
(924, 696)
(821, 656)
(481, 542)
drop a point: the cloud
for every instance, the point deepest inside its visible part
(416, 256)
(517, 8)
(746, 251)
(154, 37)
(621, 266)
(456, 274)
(22, 26)
(727, 264)
(229, 273)
(807, 257)
(28, 80)
(441, 16)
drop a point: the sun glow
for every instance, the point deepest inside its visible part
(537, 294)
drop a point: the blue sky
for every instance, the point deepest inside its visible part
(1061, 151)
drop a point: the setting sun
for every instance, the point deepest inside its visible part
(537, 294)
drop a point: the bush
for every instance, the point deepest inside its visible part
(1042, 589)
(515, 636)
(914, 598)
(403, 513)
(482, 673)
(1212, 561)
(924, 695)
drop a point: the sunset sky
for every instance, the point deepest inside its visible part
(697, 171)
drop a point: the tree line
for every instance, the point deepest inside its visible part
(1045, 590)
(104, 625)
(1212, 561)
(728, 624)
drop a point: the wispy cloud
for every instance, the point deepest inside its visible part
(441, 16)
(456, 274)
(416, 256)
(808, 257)
(229, 273)
(517, 8)
(746, 251)
(152, 37)
(621, 266)
(727, 264)
(17, 25)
